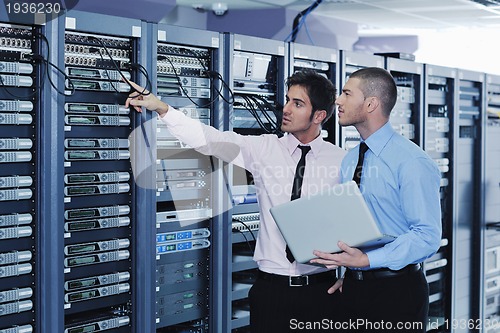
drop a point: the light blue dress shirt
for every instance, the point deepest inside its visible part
(400, 184)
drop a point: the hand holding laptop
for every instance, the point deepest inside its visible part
(350, 257)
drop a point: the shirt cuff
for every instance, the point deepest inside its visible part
(172, 116)
(377, 258)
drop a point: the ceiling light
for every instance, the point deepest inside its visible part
(219, 8)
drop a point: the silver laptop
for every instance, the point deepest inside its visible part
(320, 221)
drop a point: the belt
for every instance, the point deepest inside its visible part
(298, 281)
(381, 273)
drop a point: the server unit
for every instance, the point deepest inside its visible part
(350, 62)
(468, 178)
(491, 227)
(324, 61)
(99, 192)
(257, 75)
(438, 141)
(188, 78)
(20, 78)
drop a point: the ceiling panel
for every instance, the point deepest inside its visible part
(380, 14)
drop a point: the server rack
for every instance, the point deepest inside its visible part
(438, 141)
(350, 62)
(258, 68)
(188, 189)
(98, 200)
(324, 61)
(468, 181)
(20, 179)
(422, 114)
(491, 226)
(406, 117)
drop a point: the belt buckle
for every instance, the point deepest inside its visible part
(358, 275)
(303, 281)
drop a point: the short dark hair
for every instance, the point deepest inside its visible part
(379, 83)
(320, 90)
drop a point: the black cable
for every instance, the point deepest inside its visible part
(106, 70)
(250, 107)
(144, 92)
(300, 16)
(260, 112)
(245, 237)
(177, 77)
(48, 63)
(263, 111)
(264, 107)
(224, 84)
(144, 72)
(40, 59)
(246, 227)
(71, 86)
(277, 114)
(219, 76)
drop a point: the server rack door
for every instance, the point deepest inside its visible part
(466, 234)
(438, 142)
(491, 224)
(187, 185)
(258, 69)
(19, 175)
(350, 62)
(99, 187)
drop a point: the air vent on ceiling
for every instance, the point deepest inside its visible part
(487, 2)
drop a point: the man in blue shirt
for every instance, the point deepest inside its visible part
(385, 289)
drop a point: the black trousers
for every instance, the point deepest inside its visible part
(278, 308)
(395, 304)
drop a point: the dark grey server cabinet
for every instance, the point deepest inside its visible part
(188, 185)
(324, 61)
(98, 196)
(257, 69)
(349, 63)
(439, 114)
(19, 177)
(406, 117)
(468, 197)
(491, 225)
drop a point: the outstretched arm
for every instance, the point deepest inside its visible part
(228, 146)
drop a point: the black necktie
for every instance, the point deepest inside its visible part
(297, 186)
(359, 167)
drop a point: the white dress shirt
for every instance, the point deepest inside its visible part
(272, 162)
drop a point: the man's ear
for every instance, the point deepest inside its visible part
(372, 103)
(319, 116)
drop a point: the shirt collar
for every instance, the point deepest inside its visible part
(377, 141)
(292, 142)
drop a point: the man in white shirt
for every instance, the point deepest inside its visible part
(283, 298)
